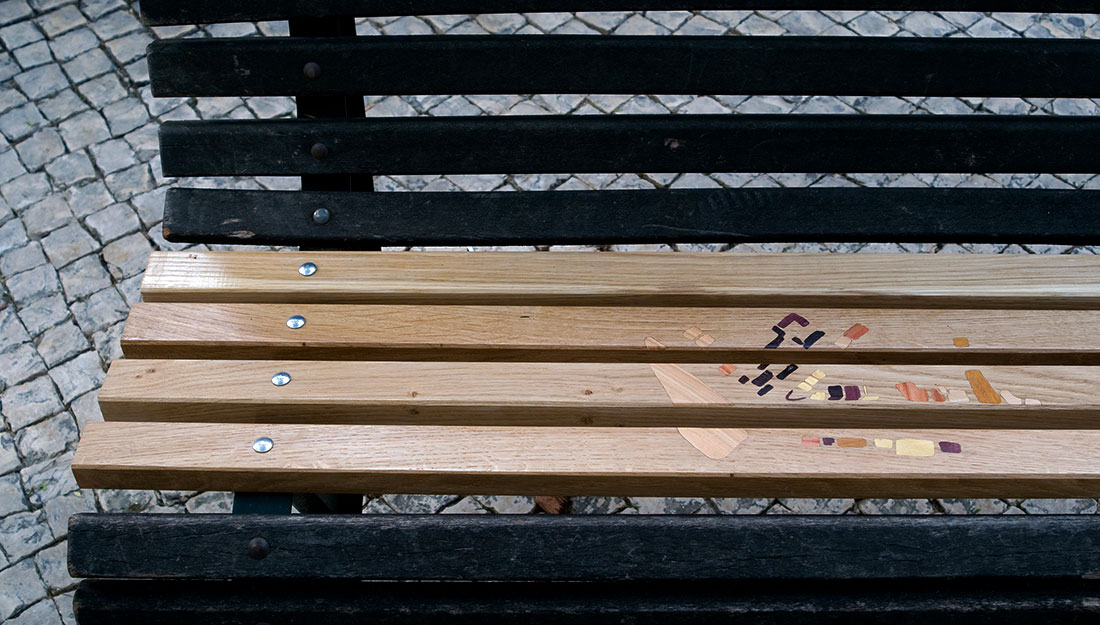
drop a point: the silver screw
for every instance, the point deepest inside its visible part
(307, 269)
(262, 445)
(321, 215)
(281, 378)
(295, 322)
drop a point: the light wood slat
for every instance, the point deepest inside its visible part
(600, 394)
(782, 280)
(607, 334)
(576, 461)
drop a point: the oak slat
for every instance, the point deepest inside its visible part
(576, 461)
(525, 278)
(605, 334)
(600, 394)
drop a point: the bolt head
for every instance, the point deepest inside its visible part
(319, 151)
(312, 70)
(262, 445)
(281, 378)
(307, 269)
(258, 548)
(321, 216)
(295, 322)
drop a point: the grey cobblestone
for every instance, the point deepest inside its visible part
(30, 402)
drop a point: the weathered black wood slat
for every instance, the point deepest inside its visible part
(872, 66)
(989, 602)
(1066, 217)
(164, 12)
(634, 143)
(514, 547)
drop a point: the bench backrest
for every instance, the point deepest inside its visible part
(337, 154)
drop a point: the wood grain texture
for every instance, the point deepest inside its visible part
(329, 602)
(165, 12)
(754, 143)
(605, 334)
(598, 394)
(779, 280)
(917, 215)
(419, 65)
(592, 547)
(582, 461)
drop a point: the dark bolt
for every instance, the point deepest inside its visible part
(320, 216)
(312, 70)
(258, 548)
(319, 151)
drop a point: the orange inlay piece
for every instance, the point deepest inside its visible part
(705, 340)
(856, 332)
(912, 392)
(851, 442)
(727, 369)
(936, 395)
(962, 341)
(693, 333)
(982, 388)
(812, 441)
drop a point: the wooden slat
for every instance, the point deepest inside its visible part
(601, 394)
(531, 279)
(607, 334)
(917, 215)
(164, 12)
(102, 602)
(589, 461)
(593, 548)
(635, 143)
(872, 66)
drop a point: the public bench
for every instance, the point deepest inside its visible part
(305, 378)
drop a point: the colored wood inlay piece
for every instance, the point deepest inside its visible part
(961, 341)
(582, 461)
(598, 394)
(806, 280)
(602, 334)
(982, 388)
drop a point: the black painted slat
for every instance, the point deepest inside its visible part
(102, 602)
(594, 548)
(164, 12)
(873, 66)
(635, 143)
(1066, 217)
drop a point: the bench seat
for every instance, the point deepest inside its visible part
(642, 373)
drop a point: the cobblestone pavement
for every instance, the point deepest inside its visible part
(81, 197)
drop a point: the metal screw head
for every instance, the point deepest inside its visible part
(319, 151)
(295, 322)
(321, 216)
(258, 548)
(281, 378)
(262, 445)
(312, 70)
(307, 269)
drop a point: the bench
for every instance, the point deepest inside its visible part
(302, 379)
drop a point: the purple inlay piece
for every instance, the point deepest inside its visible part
(948, 447)
(762, 367)
(793, 318)
(778, 340)
(851, 393)
(782, 375)
(743, 379)
(796, 340)
(764, 391)
(836, 392)
(789, 393)
(763, 378)
(828, 441)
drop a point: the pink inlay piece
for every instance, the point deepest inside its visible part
(727, 369)
(912, 392)
(811, 441)
(856, 332)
